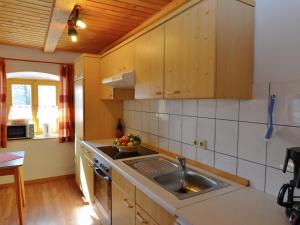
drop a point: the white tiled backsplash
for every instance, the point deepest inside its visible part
(234, 131)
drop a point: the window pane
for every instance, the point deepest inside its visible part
(47, 109)
(47, 95)
(21, 94)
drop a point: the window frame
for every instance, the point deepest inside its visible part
(34, 97)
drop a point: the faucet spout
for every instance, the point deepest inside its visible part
(182, 162)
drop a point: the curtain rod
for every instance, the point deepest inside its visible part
(37, 61)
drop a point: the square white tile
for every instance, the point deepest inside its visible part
(145, 105)
(227, 109)
(138, 105)
(275, 179)
(207, 108)
(163, 125)
(175, 127)
(206, 131)
(175, 147)
(126, 118)
(252, 144)
(126, 105)
(189, 151)
(255, 173)
(189, 129)
(131, 119)
(256, 109)
(153, 123)
(283, 138)
(163, 106)
(205, 156)
(163, 143)
(153, 140)
(189, 108)
(145, 122)
(175, 107)
(287, 107)
(145, 137)
(153, 105)
(137, 120)
(226, 163)
(226, 137)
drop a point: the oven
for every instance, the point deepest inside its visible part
(102, 189)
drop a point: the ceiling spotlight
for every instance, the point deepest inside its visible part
(78, 22)
(72, 31)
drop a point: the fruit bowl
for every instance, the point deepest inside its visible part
(128, 143)
(127, 148)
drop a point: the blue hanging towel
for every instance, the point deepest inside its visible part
(269, 130)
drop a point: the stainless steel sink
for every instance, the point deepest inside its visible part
(169, 175)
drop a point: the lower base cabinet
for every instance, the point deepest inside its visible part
(142, 218)
(131, 206)
(123, 210)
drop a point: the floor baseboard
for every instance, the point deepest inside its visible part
(41, 180)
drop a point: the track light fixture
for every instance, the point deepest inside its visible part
(74, 23)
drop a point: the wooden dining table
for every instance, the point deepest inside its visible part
(15, 168)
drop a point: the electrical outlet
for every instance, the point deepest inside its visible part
(201, 144)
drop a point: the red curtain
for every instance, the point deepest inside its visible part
(66, 104)
(3, 105)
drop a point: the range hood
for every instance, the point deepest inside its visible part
(123, 80)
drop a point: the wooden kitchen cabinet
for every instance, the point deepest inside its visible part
(149, 64)
(117, 62)
(94, 118)
(132, 205)
(209, 51)
(142, 218)
(123, 209)
(157, 213)
(87, 175)
(78, 163)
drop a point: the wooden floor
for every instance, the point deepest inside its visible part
(55, 202)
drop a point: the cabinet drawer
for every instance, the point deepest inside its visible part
(160, 215)
(126, 187)
(142, 218)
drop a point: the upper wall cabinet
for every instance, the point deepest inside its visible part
(149, 64)
(209, 51)
(117, 62)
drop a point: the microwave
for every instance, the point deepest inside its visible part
(20, 131)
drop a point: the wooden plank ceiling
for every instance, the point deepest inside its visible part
(25, 22)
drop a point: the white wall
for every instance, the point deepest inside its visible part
(34, 54)
(235, 129)
(44, 158)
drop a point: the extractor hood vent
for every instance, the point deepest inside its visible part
(124, 80)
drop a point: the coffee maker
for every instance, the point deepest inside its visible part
(292, 206)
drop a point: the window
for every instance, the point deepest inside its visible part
(21, 106)
(36, 101)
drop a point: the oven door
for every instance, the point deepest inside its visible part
(102, 189)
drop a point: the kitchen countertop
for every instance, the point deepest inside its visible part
(247, 205)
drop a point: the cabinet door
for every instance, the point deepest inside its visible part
(149, 64)
(79, 108)
(106, 92)
(123, 210)
(142, 218)
(87, 180)
(189, 53)
(78, 163)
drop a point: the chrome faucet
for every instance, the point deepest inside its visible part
(182, 162)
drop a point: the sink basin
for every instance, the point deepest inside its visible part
(169, 175)
(195, 183)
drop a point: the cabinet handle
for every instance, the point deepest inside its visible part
(141, 219)
(158, 93)
(173, 92)
(109, 96)
(128, 205)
